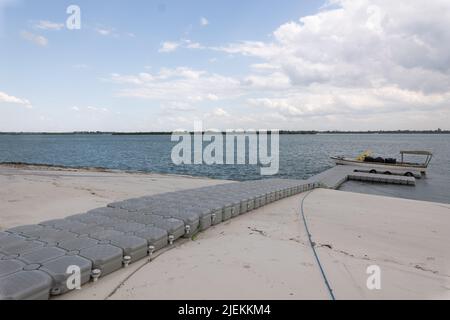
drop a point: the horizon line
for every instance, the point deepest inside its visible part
(408, 131)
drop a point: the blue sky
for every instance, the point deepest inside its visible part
(161, 65)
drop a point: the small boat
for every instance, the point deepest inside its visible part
(388, 165)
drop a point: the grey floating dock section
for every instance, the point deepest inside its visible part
(35, 259)
(333, 178)
(382, 178)
(26, 285)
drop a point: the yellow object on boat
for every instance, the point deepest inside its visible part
(363, 155)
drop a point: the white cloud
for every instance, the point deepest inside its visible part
(354, 58)
(49, 25)
(104, 31)
(192, 45)
(212, 97)
(107, 31)
(219, 112)
(89, 109)
(169, 46)
(365, 64)
(177, 84)
(34, 38)
(6, 98)
(204, 22)
(177, 106)
(96, 109)
(362, 42)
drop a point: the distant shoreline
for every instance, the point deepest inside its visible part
(282, 132)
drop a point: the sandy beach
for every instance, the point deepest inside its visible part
(38, 193)
(264, 254)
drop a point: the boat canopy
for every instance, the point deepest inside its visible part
(424, 153)
(421, 153)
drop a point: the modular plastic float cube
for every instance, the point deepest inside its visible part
(174, 227)
(191, 220)
(10, 239)
(54, 222)
(130, 204)
(273, 196)
(262, 200)
(216, 216)
(128, 227)
(31, 228)
(227, 212)
(257, 203)
(244, 206)
(156, 238)
(204, 213)
(89, 218)
(277, 195)
(87, 230)
(50, 235)
(4, 234)
(25, 285)
(104, 235)
(206, 219)
(78, 244)
(134, 247)
(111, 223)
(11, 266)
(133, 216)
(23, 247)
(109, 212)
(107, 258)
(64, 224)
(58, 271)
(42, 255)
(250, 204)
(235, 209)
(139, 217)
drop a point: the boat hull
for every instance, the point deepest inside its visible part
(381, 167)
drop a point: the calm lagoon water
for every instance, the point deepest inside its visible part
(301, 156)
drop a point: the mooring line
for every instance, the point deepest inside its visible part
(314, 249)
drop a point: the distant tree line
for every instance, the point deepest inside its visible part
(437, 131)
